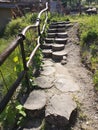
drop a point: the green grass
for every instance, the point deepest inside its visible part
(89, 41)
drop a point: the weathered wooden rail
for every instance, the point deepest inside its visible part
(19, 41)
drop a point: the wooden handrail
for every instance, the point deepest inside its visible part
(20, 41)
(9, 50)
(33, 52)
(37, 21)
(10, 92)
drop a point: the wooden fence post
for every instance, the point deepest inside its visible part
(24, 62)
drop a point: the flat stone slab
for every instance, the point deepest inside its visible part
(48, 71)
(62, 53)
(64, 81)
(59, 22)
(57, 47)
(66, 84)
(47, 46)
(47, 53)
(56, 26)
(51, 35)
(36, 100)
(49, 40)
(52, 30)
(60, 30)
(44, 82)
(59, 109)
(62, 35)
(47, 63)
(61, 40)
(69, 25)
(58, 55)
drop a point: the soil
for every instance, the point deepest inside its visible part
(86, 99)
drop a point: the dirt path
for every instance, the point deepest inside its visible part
(88, 113)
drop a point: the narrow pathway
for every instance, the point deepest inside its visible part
(88, 115)
(63, 88)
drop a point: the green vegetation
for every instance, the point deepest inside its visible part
(9, 116)
(13, 66)
(89, 43)
(13, 28)
(10, 31)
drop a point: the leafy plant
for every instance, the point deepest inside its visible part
(10, 115)
(89, 36)
(18, 66)
(95, 79)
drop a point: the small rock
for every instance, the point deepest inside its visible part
(87, 123)
(63, 62)
(64, 57)
(86, 127)
(83, 127)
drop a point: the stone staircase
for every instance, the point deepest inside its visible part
(55, 41)
(51, 103)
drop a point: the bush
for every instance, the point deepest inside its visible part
(14, 27)
(89, 37)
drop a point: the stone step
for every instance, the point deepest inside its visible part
(58, 55)
(57, 47)
(69, 25)
(66, 84)
(60, 22)
(48, 71)
(49, 40)
(52, 30)
(44, 82)
(60, 40)
(47, 53)
(59, 110)
(35, 101)
(47, 46)
(51, 35)
(57, 26)
(62, 35)
(58, 30)
(58, 35)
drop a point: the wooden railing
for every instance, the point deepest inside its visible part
(19, 41)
